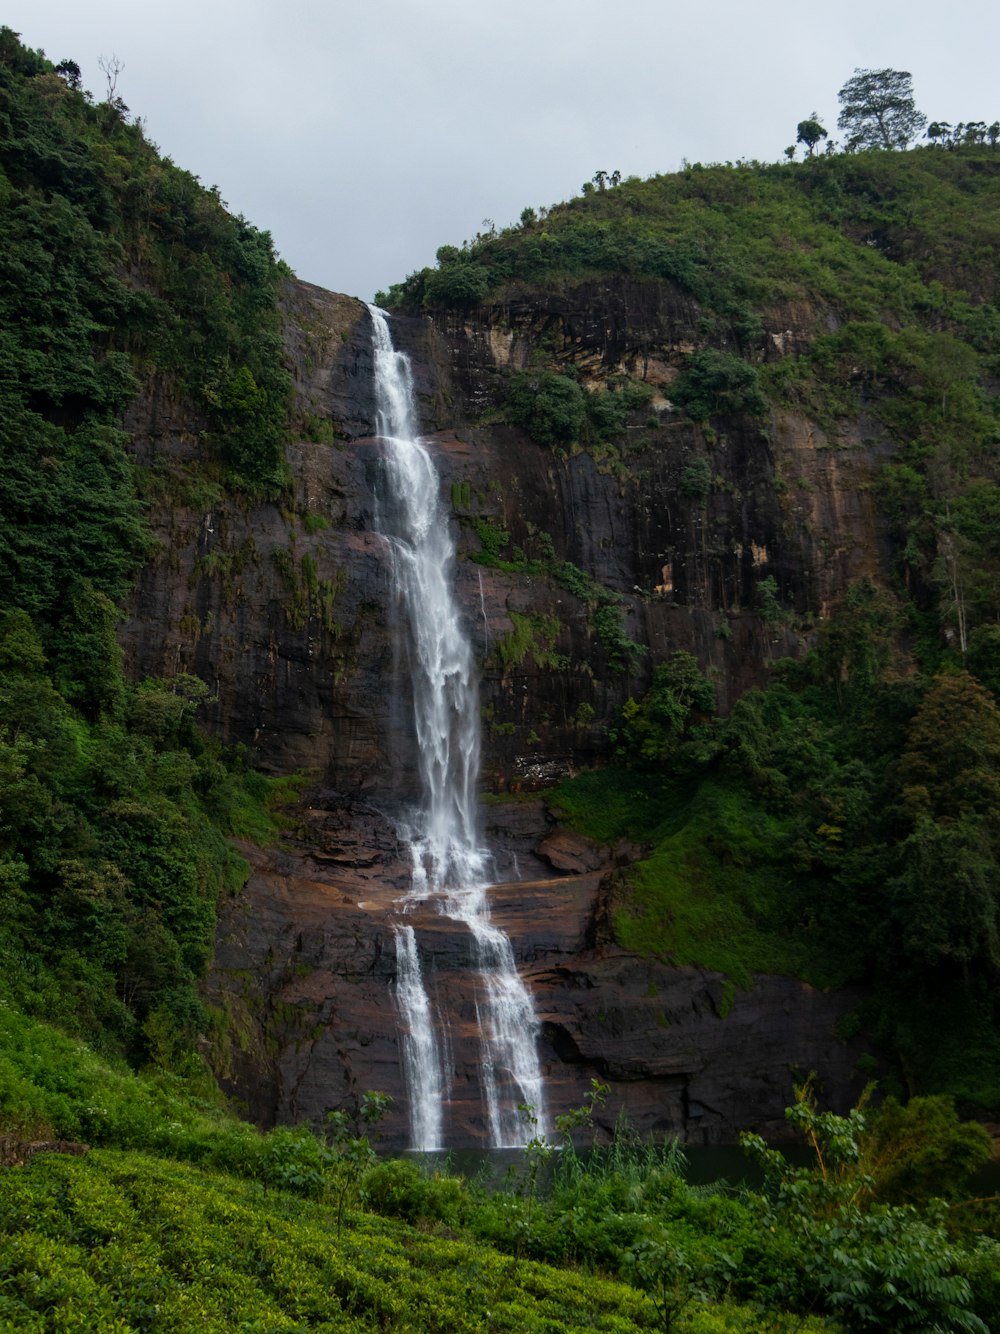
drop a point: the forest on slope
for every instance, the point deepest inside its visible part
(841, 823)
(117, 269)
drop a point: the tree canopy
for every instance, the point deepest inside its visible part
(877, 109)
(810, 132)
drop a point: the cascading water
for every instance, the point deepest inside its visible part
(450, 867)
(421, 1058)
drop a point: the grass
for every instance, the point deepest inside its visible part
(611, 804)
(190, 1220)
(715, 889)
(185, 1219)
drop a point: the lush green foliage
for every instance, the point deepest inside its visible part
(840, 824)
(116, 267)
(555, 410)
(227, 1228)
(124, 1243)
(678, 698)
(113, 815)
(738, 238)
(605, 612)
(717, 382)
(878, 1267)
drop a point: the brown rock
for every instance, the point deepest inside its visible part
(567, 851)
(15, 1152)
(305, 969)
(287, 612)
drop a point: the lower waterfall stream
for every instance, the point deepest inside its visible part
(450, 867)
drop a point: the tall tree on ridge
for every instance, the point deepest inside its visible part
(877, 109)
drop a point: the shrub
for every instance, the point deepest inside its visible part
(715, 382)
(551, 408)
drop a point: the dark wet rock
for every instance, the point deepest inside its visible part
(305, 969)
(286, 610)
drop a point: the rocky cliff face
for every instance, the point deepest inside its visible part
(305, 968)
(287, 612)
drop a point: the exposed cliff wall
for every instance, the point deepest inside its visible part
(305, 967)
(287, 612)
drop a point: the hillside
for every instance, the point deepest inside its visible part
(721, 454)
(820, 338)
(691, 427)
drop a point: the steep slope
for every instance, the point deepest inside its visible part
(745, 413)
(835, 436)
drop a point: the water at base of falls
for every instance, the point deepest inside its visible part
(450, 867)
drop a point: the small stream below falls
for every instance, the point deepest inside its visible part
(451, 869)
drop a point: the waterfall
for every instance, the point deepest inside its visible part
(421, 1058)
(449, 865)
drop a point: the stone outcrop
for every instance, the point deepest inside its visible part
(286, 610)
(16, 1152)
(305, 968)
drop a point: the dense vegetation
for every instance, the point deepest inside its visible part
(186, 1219)
(836, 826)
(116, 269)
(871, 234)
(885, 261)
(841, 824)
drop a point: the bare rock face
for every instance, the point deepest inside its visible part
(16, 1152)
(287, 611)
(306, 970)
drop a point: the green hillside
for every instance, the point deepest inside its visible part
(185, 1219)
(118, 271)
(841, 825)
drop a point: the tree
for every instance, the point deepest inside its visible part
(856, 644)
(551, 408)
(943, 907)
(810, 132)
(70, 71)
(679, 697)
(877, 109)
(877, 1267)
(921, 1151)
(718, 382)
(951, 764)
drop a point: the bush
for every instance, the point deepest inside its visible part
(551, 408)
(716, 382)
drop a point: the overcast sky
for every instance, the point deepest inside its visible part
(366, 133)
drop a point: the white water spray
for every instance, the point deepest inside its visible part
(450, 867)
(421, 1059)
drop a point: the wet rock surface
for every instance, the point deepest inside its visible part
(287, 611)
(305, 968)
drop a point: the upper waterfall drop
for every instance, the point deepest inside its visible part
(450, 864)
